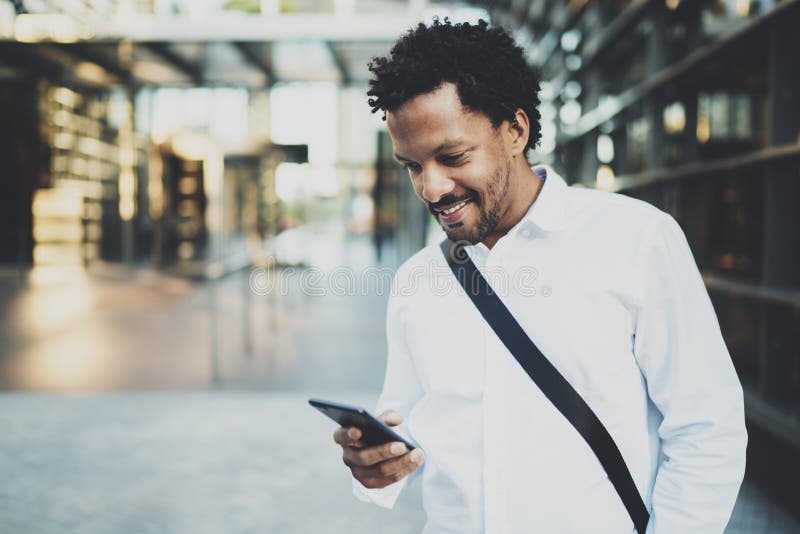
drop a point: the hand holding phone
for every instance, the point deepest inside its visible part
(375, 454)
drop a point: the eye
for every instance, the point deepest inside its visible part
(453, 159)
(411, 167)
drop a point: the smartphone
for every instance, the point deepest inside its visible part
(373, 431)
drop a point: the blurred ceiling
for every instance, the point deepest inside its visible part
(325, 41)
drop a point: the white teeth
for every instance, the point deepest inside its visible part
(455, 208)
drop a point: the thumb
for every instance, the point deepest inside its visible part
(391, 418)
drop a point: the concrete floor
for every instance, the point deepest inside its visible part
(190, 463)
(137, 402)
(207, 462)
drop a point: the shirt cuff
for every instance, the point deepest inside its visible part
(383, 497)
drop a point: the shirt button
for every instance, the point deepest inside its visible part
(526, 233)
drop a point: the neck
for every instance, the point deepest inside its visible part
(524, 190)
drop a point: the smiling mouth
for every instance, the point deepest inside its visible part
(452, 208)
(452, 205)
(450, 215)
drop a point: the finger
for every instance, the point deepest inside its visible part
(391, 418)
(373, 455)
(347, 436)
(349, 456)
(389, 468)
(397, 469)
(354, 433)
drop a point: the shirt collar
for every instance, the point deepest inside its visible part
(547, 211)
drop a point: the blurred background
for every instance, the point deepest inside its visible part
(193, 191)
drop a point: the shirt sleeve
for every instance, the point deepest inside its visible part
(401, 391)
(692, 381)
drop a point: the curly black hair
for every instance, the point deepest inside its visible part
(487, 67)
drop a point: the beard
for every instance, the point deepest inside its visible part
(490, 209)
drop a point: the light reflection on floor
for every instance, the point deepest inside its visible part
(130, 330)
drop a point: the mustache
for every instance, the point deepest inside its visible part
(449, 200)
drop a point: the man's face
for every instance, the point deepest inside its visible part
(458, 162)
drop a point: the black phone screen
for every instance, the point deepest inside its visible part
(373, 431)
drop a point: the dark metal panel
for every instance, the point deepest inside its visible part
(99, 55)
(260, 61)
(695, 63)
(771, 155)
(340, 63)
(195, 72)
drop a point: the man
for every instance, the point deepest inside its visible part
(605, 285)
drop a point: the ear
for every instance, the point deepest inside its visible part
(518, 131)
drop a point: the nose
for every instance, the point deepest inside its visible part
(435, 184)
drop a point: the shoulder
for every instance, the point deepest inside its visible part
(616, 231)
(613, 217)
(613, 207)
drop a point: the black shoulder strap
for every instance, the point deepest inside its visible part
(548, 379)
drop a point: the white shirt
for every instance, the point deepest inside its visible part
(607, 288)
